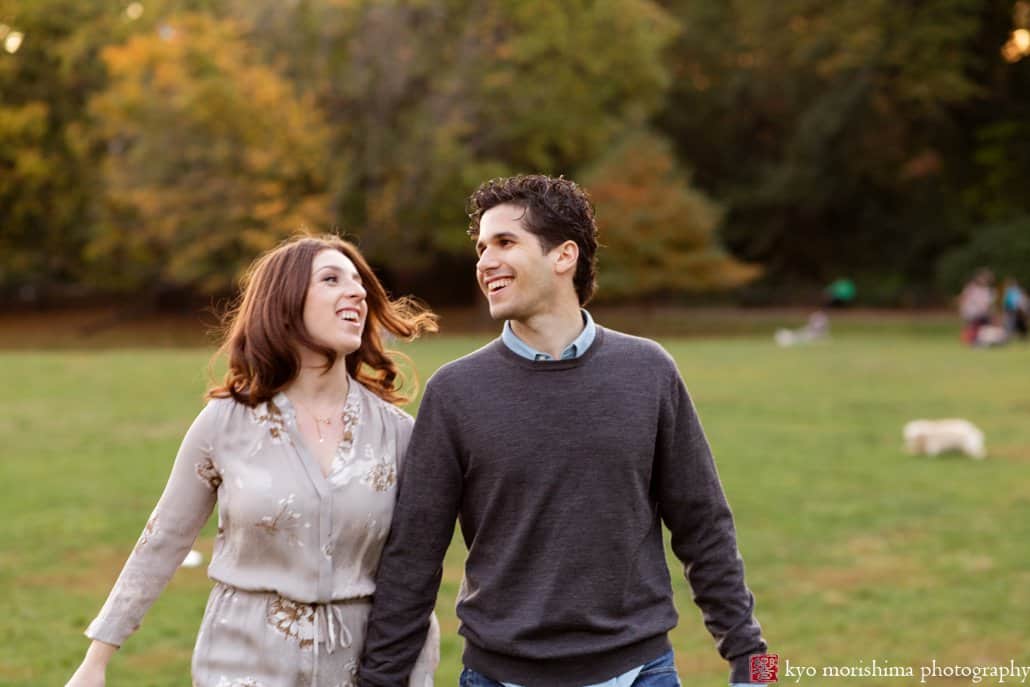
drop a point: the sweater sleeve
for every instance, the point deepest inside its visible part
(694, 508)
(182, 510)
(428, 500)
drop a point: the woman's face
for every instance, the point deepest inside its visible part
(335, 307)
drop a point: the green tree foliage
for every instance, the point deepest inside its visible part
(165, 147)
(215, 126)
(828, 127)
(1002, 159)
(1002, 246)
(428, 98)
(210, 158)
(658, 233)
(47, 178)
(27, 166)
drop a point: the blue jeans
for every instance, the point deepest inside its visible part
(660, 672)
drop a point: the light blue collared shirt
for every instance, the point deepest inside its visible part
(575, 349)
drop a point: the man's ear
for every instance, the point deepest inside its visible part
(565, 257)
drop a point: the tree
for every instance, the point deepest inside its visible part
(830, 129)
(1004, 247)
(215, 126)
(48, 179)
(658, 233)
(427, 99)
(211, 158)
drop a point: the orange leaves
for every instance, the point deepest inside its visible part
(658, 233)
(211, 157)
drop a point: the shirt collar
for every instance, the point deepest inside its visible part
(575, 349)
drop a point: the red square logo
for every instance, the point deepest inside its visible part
(764, 667)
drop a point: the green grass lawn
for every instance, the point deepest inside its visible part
(855, 551)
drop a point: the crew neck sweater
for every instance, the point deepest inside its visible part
(560, 474)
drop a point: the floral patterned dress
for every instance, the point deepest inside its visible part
(296, 552)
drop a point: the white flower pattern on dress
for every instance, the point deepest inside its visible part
(207, 471)
(381, 477)
(276, 420)
(378, 472)
(292, 619)
(149, 531)
(284, 521)
(350, 419)
(350, 677)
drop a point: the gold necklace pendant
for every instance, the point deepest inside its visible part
(321, 421)
(327, 421)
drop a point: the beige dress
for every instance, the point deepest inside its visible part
(296, 552)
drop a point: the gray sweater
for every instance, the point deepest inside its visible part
(560, 474)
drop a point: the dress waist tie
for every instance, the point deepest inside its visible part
(328, 623)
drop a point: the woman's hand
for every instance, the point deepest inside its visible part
(92, 672)
(88, 676)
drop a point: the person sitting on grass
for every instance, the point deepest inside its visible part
(974, 305)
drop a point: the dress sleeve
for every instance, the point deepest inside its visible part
(404, 429)
(184, 507)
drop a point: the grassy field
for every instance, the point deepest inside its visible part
(855, 551)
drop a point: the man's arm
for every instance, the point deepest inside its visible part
(694, 508)
(428, 500)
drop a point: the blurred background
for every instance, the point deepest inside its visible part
(750, 161)
(747, 151)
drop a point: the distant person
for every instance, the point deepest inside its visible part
(840, 293)
(816, 329)
(975, 303)
(1015, 307)
(560, 447)
(299, 448)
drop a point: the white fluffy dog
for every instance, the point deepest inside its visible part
(933, 437)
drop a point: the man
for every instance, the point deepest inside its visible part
(560, 447)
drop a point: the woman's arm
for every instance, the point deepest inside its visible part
(92, 672)
(184, 507)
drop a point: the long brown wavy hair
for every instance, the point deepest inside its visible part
(264, 328)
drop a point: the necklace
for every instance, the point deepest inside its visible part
(319, 421)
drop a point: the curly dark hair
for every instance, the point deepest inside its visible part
(556, 210)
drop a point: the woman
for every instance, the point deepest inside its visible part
(300, 448)
(974, 305)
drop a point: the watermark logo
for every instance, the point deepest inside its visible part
(765, 667)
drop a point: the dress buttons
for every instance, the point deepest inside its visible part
(327, 550)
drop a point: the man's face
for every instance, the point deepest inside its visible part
(515, 274)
